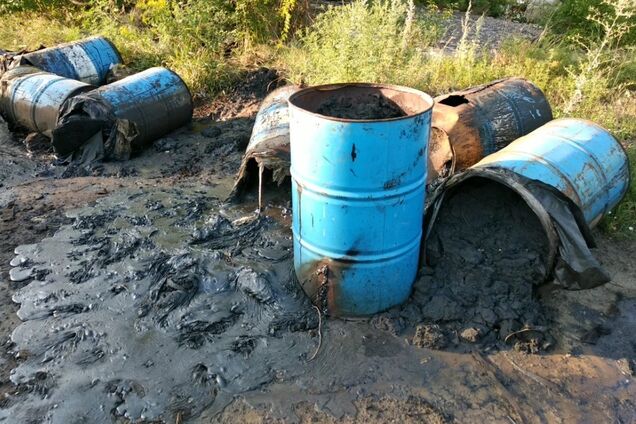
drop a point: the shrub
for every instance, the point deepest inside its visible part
(572, 18)
(488, 7)
(379, 41)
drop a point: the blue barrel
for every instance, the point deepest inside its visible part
(358, 190)
(32, 98)
(579, 158)
(156, 101)
(87, 60)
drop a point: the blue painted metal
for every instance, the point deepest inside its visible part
(87, 60)
(357, 198)
(579, 158)
(32, 98)
(156, 101)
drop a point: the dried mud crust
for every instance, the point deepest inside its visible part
(370, 409)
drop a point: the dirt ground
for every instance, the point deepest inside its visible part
(376, 374)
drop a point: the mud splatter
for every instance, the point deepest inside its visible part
(486, 253)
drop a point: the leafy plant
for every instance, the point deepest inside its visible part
(370, 41)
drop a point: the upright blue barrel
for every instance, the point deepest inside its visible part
(156, 100)
(578, 157)
(358, 188)
(87, 60)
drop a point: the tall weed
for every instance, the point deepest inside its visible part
(362, 41)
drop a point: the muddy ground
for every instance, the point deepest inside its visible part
(108, 253)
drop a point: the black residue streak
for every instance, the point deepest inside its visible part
(392, 183)
(353, 172)
(194, 304)
(354, 155)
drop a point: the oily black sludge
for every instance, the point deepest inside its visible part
(139, 321)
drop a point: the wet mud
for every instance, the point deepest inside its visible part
(363, 106)
(487, 253)
(142, 296)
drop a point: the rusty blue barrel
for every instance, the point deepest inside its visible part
(578, 157)
(87, 60)
(32, 98)
(358, 167)
(156, 101)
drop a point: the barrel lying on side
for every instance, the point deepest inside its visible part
(570, 173)
(269, 143)
(32, 98)
(130, 113)
(473, 123)
(358, 166)
(87, 60)
(577, 157)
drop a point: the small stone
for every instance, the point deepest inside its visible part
(429, 336)
(470, 335)
(626, 366)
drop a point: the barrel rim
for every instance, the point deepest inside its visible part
(121, 60)
(427, 97)
(495, 174)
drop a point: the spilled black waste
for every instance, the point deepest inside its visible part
(167, 303)
(485, 263)
(139, 317)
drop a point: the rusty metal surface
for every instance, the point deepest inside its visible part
(358, 193)
(476, 122)
(156, 101)
(268, 147)
(32, 98)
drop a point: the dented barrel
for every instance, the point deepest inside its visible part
(87, 60)
(358, 166)
(471, 124)
(32, 98)
(156, 101)
(269, 143)
(578, 157)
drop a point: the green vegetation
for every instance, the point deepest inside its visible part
(585, 63)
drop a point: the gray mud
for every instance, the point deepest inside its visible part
(368, 106)
(487, 252)
(165, 304)
(155, 303)
(15, 164)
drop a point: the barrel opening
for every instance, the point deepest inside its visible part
(485, 223)
(362, 102)
(454, 100)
